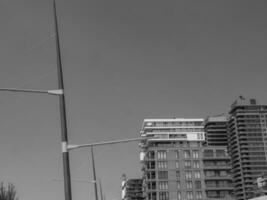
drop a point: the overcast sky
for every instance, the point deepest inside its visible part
(123, 61)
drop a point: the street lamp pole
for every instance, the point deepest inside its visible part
(64, 134)
(101, 191)
(94, 173)
(63, 119)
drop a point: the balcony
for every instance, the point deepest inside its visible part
(218, 167)
(219, 187)
(228, 177)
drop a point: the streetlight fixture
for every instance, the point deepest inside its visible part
(53, 92)
(91, 145)
(65, 146)
(64, 133)
(77, 146)
(62, 105)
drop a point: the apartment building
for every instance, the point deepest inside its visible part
(216, 131)
(217, 162)
(217, 171)
(172, 159)
(247, 139)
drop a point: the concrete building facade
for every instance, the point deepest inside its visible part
(172, 155)
(217, 171)
(247, 139)
(216, 160)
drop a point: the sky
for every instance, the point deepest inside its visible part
(123, 61)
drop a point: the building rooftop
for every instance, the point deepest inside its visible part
(219, 118)
(243, 101)
(174, 120)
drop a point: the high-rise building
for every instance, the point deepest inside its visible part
(247, 138)
(217, 165)
(172, 159)
(216, 131)
(217, 171)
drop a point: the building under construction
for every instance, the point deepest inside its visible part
(132, 189)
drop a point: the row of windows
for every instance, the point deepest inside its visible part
(162, 154)
(216, 194)
(173, 130)
(190, 195)
(163, 164)
(189, 185)
(220, 153)
(187, 174)
(163, 185)
(221, 183)
(216, 163)
(165, 195)
(221, 173)
(183, 144)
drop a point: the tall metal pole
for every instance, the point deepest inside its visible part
(63, 119)
(94, 173)
(100, 187)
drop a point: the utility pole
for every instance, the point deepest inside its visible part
(63, 118)
(100, 187)
(94, 173)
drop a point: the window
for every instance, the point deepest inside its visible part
(150, 165)
(186, 154)
(163, 185)
(162, 155)
(200, 136)
(179, 196)
(223, 173)
(223, 194)
(222, 163)
(198, 185)
(208, 153)
(177, 164)
(151, 175)
(189, 185)
(163, 196)
(177, 174)
(177, 154)
(151, 185)
(163, 174)
(211, 183)
(220, 153)
(152, 196)
(187, 163)
(210, 173)
(188, 174)
(162, 165)
(196, 164)
(209, 163)
(178, 185)
(197, 174)
(195, 154)
(211, 194)
(189, 195)
(198, 195)
(151, 155)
